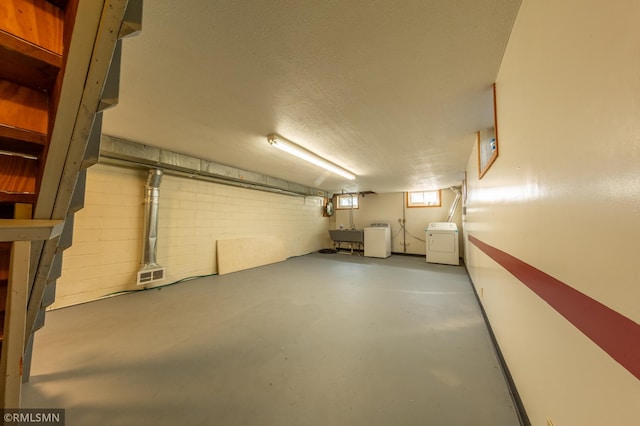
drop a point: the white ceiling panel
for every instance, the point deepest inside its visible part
(393, 90)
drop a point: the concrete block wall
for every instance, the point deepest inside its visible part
(106, 251)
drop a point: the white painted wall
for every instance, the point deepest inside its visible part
(564, 196)
(107, 243)
(389, 208)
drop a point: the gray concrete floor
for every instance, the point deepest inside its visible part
(322, 339)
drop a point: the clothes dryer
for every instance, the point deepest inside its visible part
(442, 243)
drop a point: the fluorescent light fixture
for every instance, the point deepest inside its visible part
(293, 149)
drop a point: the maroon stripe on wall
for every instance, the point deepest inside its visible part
(616, 334)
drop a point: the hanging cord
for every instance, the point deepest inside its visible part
(397, 232)
(404, 219)
(410, 234)
(351, 224)
(159, 287)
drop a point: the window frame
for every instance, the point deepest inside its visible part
(487, 141)
(413, 205)
(350, 196)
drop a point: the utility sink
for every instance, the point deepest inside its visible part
(347, 235)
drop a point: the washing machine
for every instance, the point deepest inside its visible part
(442, 243)
(377, 240)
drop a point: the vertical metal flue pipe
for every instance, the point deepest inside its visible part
(454, 205)
(151, 199)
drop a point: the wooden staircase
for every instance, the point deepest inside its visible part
(56, 77)
(32, 51)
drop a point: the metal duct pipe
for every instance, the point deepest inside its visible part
(104, 159)
(150, 270)
(454, 205)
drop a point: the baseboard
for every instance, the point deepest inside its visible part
(522, 412)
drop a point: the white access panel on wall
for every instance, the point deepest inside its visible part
(442, 243)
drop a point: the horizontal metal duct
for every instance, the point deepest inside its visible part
(127, 153)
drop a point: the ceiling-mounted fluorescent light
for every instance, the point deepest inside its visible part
(293, 149)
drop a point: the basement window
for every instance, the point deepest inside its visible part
(347, 201)
(424, 199)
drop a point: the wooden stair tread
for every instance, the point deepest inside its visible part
(59, 3)
(18, 174)
(17, 197)
(28, 64)
(10, 133)
(3, 304)
(23, 108)
(35, 21)
(3, 295)
(30, 50)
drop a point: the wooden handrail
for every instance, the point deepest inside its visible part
(29, 229)
(20, 232)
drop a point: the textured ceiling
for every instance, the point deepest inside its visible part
(392, 90)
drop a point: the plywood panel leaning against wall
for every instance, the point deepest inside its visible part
(238, 254)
